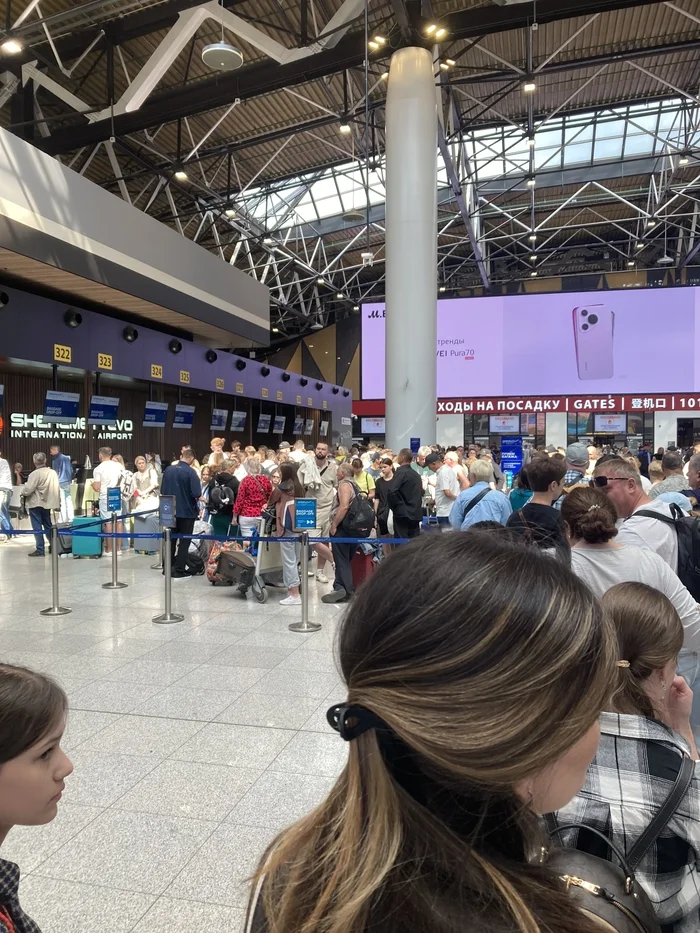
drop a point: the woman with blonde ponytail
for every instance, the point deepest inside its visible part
(644, 738)
(476, 670)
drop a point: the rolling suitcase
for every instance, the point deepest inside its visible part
(86, 546)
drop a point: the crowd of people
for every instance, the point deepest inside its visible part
(518, 689)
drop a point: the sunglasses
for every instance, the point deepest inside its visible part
(602, 481)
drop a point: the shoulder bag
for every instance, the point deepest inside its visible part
(604, 889)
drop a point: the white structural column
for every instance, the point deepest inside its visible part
(411, 252)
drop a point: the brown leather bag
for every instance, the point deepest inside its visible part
(608, 891)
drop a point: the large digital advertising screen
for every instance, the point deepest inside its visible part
(623, 341)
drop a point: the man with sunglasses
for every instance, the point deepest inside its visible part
(622, 484)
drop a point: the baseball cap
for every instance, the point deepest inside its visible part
(433, 458)
(284, 445)
(375, 455)
(577, 454)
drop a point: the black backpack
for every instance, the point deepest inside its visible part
(220, 499)
(359, 518)
(688, 534)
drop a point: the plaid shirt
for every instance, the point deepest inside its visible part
(572, 478)
(632, 774)
(9, 901)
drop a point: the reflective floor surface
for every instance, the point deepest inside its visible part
(193, 743)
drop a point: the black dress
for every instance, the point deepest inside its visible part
(382, 487)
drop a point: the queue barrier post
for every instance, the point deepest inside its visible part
(168, 616)
(304, 625)
(55, 609)
(114, 583)
(160, 563)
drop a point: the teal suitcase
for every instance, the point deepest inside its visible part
(86, 546)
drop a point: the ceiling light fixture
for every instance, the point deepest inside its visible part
(339, 295)
(222, 56)
(533, 274)
(651, 223)
(684, 158)
(380, 39)
(320, 280)
(533, 237)
(441, 289)
(12, 46)
(345, 128)
(444, 66)
(531, 141)
(373, 45)
(529, 86)
(268, 241)
(181, 174)
(450, 62)
(384, 75)
(429, 30)
(275, 330)
(355, 307)
(531, 182)
(533, 258)
(631, 262)
(440, 33)
(230, 212)
(640, 245)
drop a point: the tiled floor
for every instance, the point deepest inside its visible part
(193, 744)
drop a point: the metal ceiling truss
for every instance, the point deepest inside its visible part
(507, 210)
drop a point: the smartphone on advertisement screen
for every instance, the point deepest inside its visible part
(594, 330)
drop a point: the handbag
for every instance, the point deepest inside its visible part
(604, 889)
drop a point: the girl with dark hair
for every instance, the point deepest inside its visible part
(476, 671)
(591, 523)
(644, 737)
(282, 499)
(33, 769)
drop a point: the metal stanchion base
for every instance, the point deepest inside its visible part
(304, 627)
(114, 586)
(55, 611)
(166, 619)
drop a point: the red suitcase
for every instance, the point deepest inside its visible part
(362, 566)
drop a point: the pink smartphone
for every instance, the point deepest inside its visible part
(594, 329)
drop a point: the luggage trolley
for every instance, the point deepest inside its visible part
(268, 560)
(247, 571)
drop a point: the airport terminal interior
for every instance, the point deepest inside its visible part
(360, 336)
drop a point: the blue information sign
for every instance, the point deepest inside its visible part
(155, 414)
(219, 419)
(305, 514)
(511, 456)
(103, 410)
(166, 511)
(61, 407)
(114, 499)
(184, 416)
(415, 444)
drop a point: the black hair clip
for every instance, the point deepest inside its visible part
(338, 716)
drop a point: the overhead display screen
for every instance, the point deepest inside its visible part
(624, 341)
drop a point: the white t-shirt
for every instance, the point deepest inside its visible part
(646, 483)
(650, 533)
(602, 568)
(107, 474)
(297, 455)
(445, 478)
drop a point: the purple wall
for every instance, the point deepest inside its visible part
(30, 326)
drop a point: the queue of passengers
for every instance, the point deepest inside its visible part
(492, 697)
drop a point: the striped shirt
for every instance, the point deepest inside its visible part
(633, 772)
